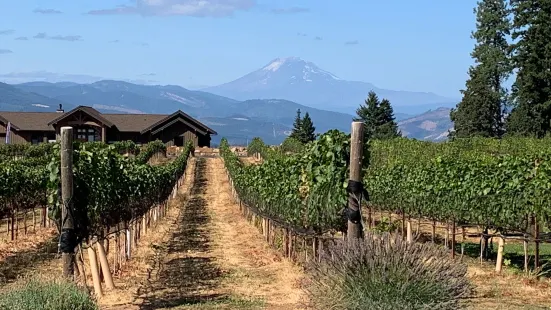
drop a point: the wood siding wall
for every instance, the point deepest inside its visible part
(177, 131)
(15, 137)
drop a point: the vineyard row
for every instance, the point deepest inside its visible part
(500, 184)
(109, 188)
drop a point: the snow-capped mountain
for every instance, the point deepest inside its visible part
(298, 80)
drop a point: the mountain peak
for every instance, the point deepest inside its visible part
(275, 64)
(295, 69)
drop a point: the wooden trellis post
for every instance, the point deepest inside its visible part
(67, 229)
(356, 154)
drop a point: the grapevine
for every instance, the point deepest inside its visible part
(108, 188)
(477, 181)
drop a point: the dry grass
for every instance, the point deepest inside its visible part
(207, 257)
(18, 257)
(508, 290)
(137, 272)
(258, 271)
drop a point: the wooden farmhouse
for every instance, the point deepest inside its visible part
(90, 125)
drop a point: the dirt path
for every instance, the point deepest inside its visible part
(213, 259)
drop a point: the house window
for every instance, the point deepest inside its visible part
(86, 134)
(35, 139)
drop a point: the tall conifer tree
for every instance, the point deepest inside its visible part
(308, 133)
(387, 127)
(378, 118)
(531, 113)
(480, 112)
(297, 127)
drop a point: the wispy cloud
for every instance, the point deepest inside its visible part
(196, 8)
(291, 10)
(354, 42)
(318, 38)
(47, 11)
(7, 32)
(115, 41)
(148, 74)
(41, 35)
(301, 34)
(66, 38)
(70, 38)
(22, 38)
(119, 10)
(5, 51)
(142, 44)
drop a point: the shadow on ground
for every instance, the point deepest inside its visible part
(16, 264)
(187, 277)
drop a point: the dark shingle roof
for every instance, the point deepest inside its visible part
(133, 122)
(30, 120)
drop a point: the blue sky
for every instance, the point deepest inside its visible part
(417, 45)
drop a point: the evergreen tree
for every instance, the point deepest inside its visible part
(307, 129)
(480, 112)
(378, 118)
(387, 126)
(531, 113)
(297, 127)
(368, 113)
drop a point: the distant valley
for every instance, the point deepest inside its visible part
(239, 118)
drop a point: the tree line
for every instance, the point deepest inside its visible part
(511, 37)
(376, 114)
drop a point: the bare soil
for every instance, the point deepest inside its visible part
(207, 256)
(36, 245)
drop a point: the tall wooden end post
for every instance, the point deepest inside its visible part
(67, 242)
(354, 191)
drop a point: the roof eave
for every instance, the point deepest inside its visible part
(103, 120)
(6, 121)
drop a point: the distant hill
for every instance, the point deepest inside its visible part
(301, 81)
(240, 129)
(122, 97)
(431, 125)
(15, 99)
(270, 119)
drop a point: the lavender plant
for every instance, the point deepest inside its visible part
(384, 272)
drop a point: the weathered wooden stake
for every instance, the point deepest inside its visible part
(433, 231)
(462, 242)
(105, 267)
(25, 221)
(67, 229)
(128, 243)
(537, 249)
(409, 238)
(453, 239)
(354, 230)
(525, 242)
(95, 270)
(34, 220)
(499, 261)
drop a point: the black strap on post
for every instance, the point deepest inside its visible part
(68, 241)
(355, 190)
